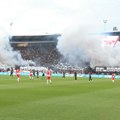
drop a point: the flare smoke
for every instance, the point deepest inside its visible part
(79, 46)
(7, 55)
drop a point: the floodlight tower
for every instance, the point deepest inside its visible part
(105, 22)
(10, 30)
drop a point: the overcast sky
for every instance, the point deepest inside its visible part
(56, 16)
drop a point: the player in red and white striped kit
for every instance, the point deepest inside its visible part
(31, 74)
(113, 77)
(18, 75)
(48, 77)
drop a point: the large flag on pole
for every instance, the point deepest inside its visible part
(110, 40)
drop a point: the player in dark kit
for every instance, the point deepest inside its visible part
(63, 74)
(43, 75)
(37, 74)
(75, 74)
(90, 77)
(11, 72)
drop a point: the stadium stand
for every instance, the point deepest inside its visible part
(40, 49)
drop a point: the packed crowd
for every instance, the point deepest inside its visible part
(42, 56)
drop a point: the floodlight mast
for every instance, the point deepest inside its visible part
(105, 22)
(10, 37)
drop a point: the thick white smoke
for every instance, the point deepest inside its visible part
(80, 46)
(7, 55)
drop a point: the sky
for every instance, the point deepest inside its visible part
(74, 19)
(26, 17)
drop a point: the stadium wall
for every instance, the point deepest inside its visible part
(67, 75)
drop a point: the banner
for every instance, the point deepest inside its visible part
(66, 75)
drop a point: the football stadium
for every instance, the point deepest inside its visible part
(59, 60)
(72, 94)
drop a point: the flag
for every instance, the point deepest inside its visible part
(110, 40)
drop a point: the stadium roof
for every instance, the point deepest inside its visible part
(117, 33)
(36, 38)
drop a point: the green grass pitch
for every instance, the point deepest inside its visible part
(64, 99)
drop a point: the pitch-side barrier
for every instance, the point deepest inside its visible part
(67, 75)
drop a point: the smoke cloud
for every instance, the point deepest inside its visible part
(7, 55)
(80, 47)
